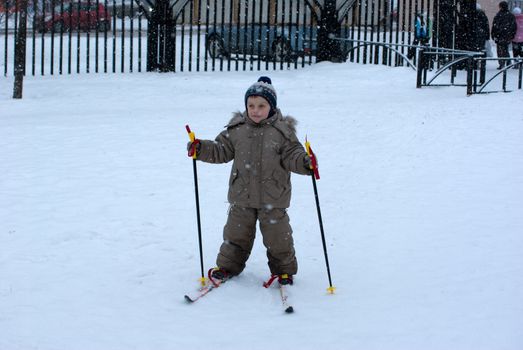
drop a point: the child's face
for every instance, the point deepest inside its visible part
(258, 108)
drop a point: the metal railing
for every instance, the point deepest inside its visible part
(504, 72)
(184, 35)
(445, 64)
(386, 47)
(208, 35)
(384, 30)
(84, 36)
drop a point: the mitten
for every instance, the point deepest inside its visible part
(192, 147)
(310, 162)
(307, 163)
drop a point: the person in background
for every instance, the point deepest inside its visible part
(422, 30)
(482, 30)
(503, 31)
(517, 41)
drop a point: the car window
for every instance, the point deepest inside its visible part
(58, 8)
(77, 7)
(87, 7)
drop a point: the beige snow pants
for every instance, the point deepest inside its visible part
(238, 239)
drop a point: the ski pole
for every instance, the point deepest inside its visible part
(194, 155)
(316, 176)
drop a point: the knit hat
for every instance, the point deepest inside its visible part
(263, 87)
(516, 11)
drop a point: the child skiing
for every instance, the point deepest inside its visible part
(265, 150)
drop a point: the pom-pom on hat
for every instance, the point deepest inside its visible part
(263, 87)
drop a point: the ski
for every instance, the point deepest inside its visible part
(203, 291)
(284, 296)
(285, 300)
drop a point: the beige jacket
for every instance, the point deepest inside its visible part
(264, 155)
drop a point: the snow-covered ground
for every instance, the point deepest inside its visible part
(421, 193)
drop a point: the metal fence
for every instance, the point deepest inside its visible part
(441, 67)
(234, 35)
(110, 36)
(80, 37)
(193, 35)
(383, 30)
(117, 36)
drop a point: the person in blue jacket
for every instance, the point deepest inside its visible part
(422, 29)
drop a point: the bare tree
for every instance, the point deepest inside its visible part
(20, 52)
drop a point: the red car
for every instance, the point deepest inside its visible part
(75, 16)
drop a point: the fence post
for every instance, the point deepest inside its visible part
(470, 71)
(520, 75)
(483, 69)
(328, 48)
(504, 80)
(20, 52)
(420, 67)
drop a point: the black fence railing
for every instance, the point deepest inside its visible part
(225, 35)
(443, 67)
(109, 36)
(66, 37)
(385, 29)
(384, 49)
(86, 36)
(511, 77)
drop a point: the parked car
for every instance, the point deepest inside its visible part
(124, 10)
(281, 43)
(82, 16)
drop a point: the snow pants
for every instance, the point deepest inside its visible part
(238, 239)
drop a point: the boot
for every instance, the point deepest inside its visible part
(219, 274)
(285, 279)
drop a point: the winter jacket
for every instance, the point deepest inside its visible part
(518, 38)
(421, 30)
(482, 30)
(264, 154)
(503, 27)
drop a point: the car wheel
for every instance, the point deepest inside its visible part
(103, 26)
(215, 46)
(281, 49)
(58, 27)
(346, 49)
